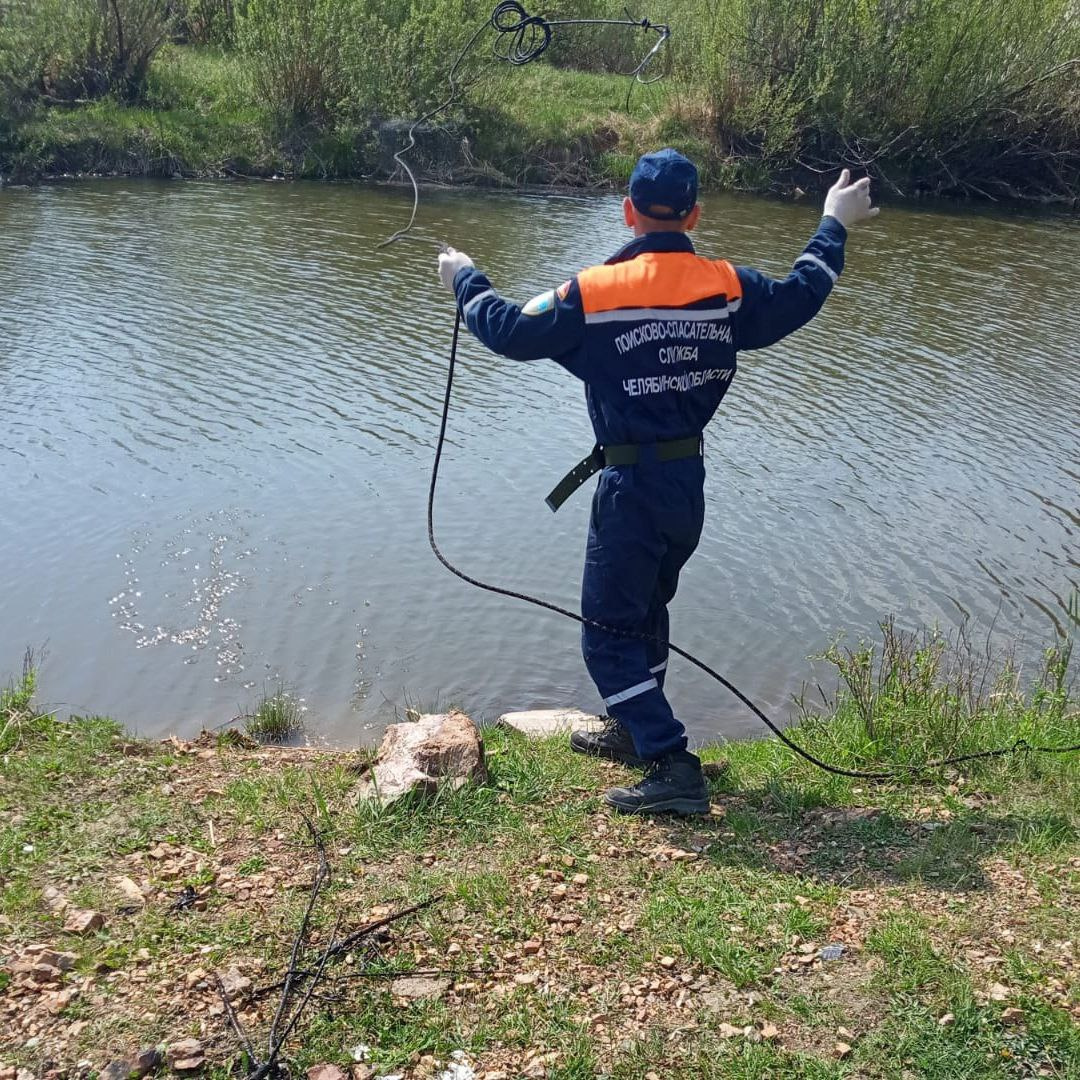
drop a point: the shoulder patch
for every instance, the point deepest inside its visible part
(538, 305)
(563, 290)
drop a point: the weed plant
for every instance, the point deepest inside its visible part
(277, 717)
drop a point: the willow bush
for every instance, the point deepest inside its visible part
(69, 50)
(296, 49)
(957, 96)
(208, 22)
(349, 60)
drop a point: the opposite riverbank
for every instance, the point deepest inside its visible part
(811, 926)
(973, 100)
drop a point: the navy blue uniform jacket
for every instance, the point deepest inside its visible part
(653, 332)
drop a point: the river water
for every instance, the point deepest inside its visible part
(220, 403)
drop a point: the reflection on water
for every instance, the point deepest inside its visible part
(220, 404)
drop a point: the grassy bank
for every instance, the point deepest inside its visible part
(201, 118)
(559, 941)
(966, 98)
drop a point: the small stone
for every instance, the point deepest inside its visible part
(543, 723)
(130, 890)
(54, 899)
(947, 1020)
(326, 1072)
(421, 755)
(769, 1032)
(526, 978)
(846, 1034)
(841, 1050)
(235, 984)
(59, 1001)
(362, 1072)
(115, 1070)
(728, 1031)
(531, 948)
(667, 961)
(84, 922)
(1012, 1016)
(62, 961)
(187, 1055)
(45, 973)
(580, 879)
(999, 992)
(145, 1061)
(416, 987)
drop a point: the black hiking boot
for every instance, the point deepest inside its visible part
(613, 743)
(673, 784)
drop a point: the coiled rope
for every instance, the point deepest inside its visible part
(520, 38)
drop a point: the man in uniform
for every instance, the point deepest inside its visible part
(653, 334)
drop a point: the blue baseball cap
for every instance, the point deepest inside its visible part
(664, 185)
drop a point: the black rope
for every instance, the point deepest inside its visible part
(520, 38)
(1020, 746)
(523, 37)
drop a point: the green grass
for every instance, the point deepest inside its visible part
(965, 98)
(653, 935)
(277, 717)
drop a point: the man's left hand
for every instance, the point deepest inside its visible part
(450, 262)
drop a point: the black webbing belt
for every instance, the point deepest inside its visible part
(622, 454)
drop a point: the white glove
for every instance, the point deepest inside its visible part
(450, 262)
(850, 203)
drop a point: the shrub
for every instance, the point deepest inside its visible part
(328, 61)
(296, 52)
(66, 50)
(955, 96)
(208, 22)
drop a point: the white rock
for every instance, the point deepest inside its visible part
(541, 723)
(442, 748)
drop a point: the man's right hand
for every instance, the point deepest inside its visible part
(450, 262)
(850, 203)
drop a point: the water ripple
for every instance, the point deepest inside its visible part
(236, 377)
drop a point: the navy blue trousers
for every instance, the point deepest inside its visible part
(646, 522)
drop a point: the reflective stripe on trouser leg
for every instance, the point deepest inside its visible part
(630, 692)
(648, 717)
(622, 561)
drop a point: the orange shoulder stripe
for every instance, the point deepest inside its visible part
(657, 279)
